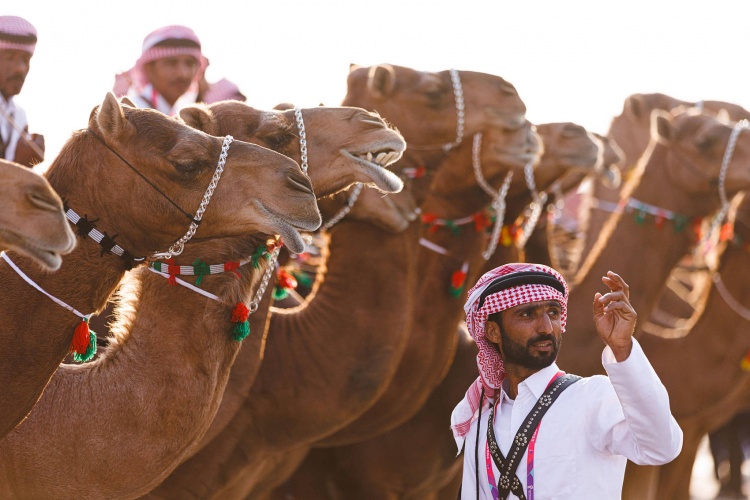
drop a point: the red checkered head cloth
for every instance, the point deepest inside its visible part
(17, 33)
(223, 90)
(502, 288)
(183, 41)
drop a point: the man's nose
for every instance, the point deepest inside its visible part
(187, 70)
(20, 65)
(545, 324)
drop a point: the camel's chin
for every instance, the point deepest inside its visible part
(51, 261)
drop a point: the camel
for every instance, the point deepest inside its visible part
(199, 367)
(33, 221)
(396, 90)
(170, 176)
(416, 458)
(708, 385)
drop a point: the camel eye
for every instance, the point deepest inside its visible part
(277, 141)
(190, 167)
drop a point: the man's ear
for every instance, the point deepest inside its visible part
(492, 331)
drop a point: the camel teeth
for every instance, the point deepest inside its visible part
(379, 158)
(369, 156)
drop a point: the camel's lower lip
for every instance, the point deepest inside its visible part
(50, 259)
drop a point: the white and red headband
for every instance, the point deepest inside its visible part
(17, 33)
(502, 288)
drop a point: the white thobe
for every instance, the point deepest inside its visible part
(587, 435)
(148, 98)
(10, 134)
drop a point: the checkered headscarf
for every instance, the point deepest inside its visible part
(151, 51)
(491, 372)
(17, 33)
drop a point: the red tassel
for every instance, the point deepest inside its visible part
(286, 280)
(232, 267)
(727, 232)
(81, 337)
(240, 313)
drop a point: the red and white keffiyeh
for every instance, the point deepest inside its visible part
(489, 362)
(17, 33)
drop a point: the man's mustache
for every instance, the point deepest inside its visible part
(542, 337)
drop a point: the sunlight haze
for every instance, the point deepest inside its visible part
(570, 61)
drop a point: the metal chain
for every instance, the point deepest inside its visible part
(728, 153)
(458, 94)
(535, 207)
(179, 245)
(302, 138)
(265, 279)
(356, 190)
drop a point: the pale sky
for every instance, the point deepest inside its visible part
(574, 60)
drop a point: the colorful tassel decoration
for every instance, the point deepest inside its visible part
(745, 364)
(285, 281)
(83, 345)
(458, 280)
(241, 329)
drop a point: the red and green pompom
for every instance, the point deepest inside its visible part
(83, 345)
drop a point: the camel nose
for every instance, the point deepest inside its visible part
(301, 182)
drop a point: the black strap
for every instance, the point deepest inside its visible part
(508, 481)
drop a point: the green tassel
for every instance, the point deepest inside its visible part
(302, 278)
(280, 293)
(90, 351)
(640, 216)
(455, 292)
(241, 330)
(260, 252)
(680, 223)
(200, 269)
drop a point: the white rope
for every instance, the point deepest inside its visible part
(733, 304)
(179, 245)
(432, 246)
(188, 285)
(35, 285)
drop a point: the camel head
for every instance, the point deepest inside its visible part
(423, 105)
(344, 145)
(570, 153)
(630, 129)
(502, 150)
(33, 222)
(697, 143)
(612, 157)
(144, 176)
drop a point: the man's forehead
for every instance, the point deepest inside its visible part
(14, 53)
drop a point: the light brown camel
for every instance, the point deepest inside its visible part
(707, 384)
(33, 221)
(179, 163)
(416, 458)
(198, 369)
(402, 92)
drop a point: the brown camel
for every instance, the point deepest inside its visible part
(402, 92)
(708, 385)
(178, 164)
(33, 221)
(416, 458)
(210, 355)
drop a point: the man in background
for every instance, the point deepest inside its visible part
(17, 44)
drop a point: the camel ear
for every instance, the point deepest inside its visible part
(723, 116)
(111, 119)
(634, 104)
(381, 80)
(200, 118)
(125, 100)
(353, 67)
(661, 126)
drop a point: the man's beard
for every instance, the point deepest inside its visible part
(521, 355)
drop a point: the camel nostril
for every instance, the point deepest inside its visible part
(301, 183)
(44, 201)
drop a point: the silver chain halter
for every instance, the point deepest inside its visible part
(458, 94)
(302, 138)
(728, 153)
(535, 207)
(356, 190)
(179, 245)
(265, 279)
(498, 197)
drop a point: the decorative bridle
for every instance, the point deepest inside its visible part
(179, 245)
(458, 96)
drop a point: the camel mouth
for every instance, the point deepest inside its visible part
(49, 259)
(290, 234)
(375, 161)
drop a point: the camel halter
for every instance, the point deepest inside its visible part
(83, 345)
(728, 153)
(179, 245)
(498, 197)
(303, 154)
(458, 278)
(458, 96)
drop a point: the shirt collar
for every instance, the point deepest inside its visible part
(538, 382)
